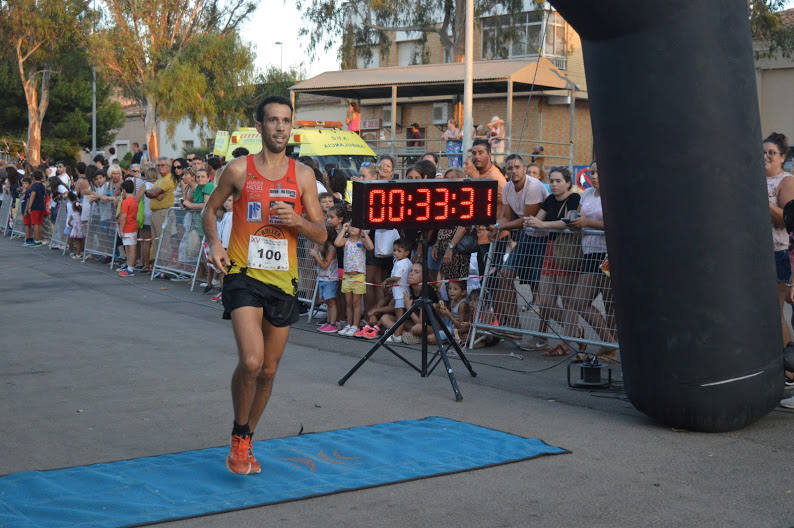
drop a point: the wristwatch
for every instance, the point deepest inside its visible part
(450, 245)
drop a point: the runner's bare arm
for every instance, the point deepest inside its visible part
(228, 180)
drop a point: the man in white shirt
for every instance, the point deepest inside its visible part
(521, 197)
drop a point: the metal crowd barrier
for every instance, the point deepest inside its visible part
(6, 213)
(18, 226)
(59, 239)
(180, 245)
(307, 273)
(547, 288)
(101, 232)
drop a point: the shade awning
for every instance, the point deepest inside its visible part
(437, 79)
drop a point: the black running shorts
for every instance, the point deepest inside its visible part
(241, 290)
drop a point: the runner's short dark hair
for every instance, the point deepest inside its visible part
(273, 99)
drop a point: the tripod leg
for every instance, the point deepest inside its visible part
(414, 308)
(430, 313)
(457, 348)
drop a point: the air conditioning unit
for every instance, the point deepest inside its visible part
(440, 113)
(387, 116)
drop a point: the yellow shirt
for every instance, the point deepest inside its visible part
(166, 183)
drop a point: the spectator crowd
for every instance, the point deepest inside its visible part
(549, 239)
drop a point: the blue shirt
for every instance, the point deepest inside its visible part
(38, 202)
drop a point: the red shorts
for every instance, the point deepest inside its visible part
(33, 218)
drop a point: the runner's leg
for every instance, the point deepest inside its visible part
(275, 339)
(247, 325)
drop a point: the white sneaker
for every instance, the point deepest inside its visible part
(394, 338)
(346, 331)
(788, 403)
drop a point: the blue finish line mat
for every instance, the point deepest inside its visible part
(195, 483)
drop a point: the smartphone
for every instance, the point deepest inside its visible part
(566, 220)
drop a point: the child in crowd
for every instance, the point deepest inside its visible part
(128, 225)
(457, 316)
(34, 217)
(385, 306)
(335, 218)
(368, 172)
(399, 282)
(413, 326)
(26, 183)
(224, 226)
(76, 232)
(327, 278)
(354, 241)
(326, 202)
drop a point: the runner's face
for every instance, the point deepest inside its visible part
(276, 128)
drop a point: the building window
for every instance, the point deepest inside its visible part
(449, 56)
(372, 62)
(526, 29)
(187, 144)
(409, 52)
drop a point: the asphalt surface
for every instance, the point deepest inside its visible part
(96, 368)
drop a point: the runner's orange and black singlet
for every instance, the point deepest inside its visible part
(259, 245)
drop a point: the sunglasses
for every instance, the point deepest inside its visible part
(177, 166)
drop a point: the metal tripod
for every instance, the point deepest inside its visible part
(424, 307)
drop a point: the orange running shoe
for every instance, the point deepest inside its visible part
(241, 457)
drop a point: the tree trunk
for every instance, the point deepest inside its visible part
(150, 125)
(37, 107)
(459, 32)
(34, 138)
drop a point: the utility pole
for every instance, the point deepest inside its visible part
(468, 76)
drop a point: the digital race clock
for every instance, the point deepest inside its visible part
(423, 204)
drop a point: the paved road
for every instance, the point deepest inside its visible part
(97, 368)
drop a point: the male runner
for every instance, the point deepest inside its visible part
(271, 192)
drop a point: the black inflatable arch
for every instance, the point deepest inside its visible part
(678, 139)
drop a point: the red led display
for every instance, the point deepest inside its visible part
(421, 204)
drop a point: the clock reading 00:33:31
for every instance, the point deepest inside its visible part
(423, 204)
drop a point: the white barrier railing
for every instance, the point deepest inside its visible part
(101, 233)
(549, 288)
(59, 239)
(179, 247)
(6, 214)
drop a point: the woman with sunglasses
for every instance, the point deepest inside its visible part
(780, 190)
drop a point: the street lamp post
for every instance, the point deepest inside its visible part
(281, 46)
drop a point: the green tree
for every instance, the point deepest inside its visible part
(365, 24)
(766, 26)
(35, 34)
(277, 82)
(66, 127)
(178, 59)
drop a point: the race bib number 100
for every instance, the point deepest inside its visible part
(267, 254)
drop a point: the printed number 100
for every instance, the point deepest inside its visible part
(270, 254)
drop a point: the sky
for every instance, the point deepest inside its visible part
(277, 21)
(280, 21)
